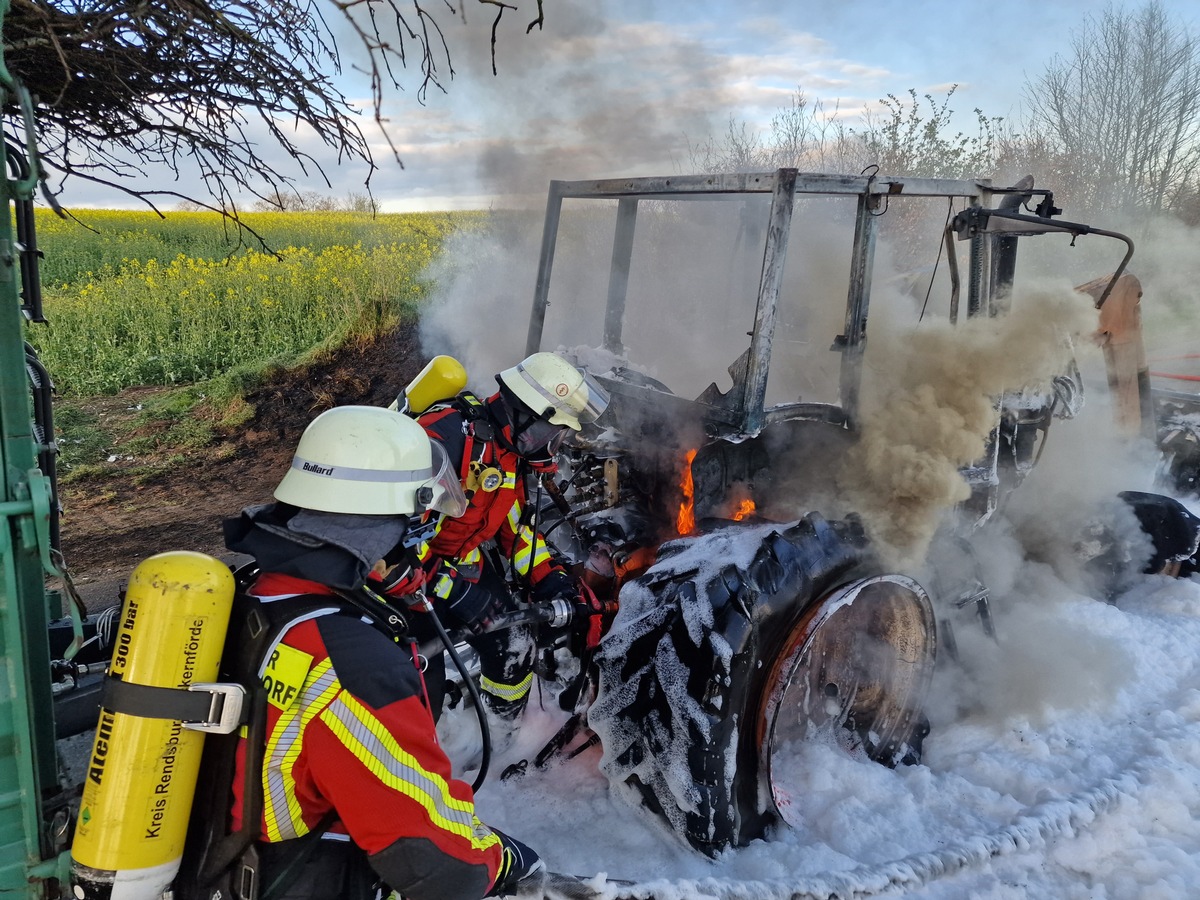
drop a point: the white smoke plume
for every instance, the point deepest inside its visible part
(1050, 654)
(479, 310)
(690, 298)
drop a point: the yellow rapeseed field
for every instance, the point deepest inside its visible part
(133, 299)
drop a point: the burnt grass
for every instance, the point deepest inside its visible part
(111, 522)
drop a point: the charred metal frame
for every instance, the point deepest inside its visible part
(743, 411)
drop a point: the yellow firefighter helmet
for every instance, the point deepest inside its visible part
(365, 460)
(547, 383)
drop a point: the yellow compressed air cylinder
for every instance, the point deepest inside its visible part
(141, 778)
(442, 378)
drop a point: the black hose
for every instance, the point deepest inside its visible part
(535, 614)
(373, 605)
(476, 698)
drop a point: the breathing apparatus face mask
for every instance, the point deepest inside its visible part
(537, 440)
(541, 440)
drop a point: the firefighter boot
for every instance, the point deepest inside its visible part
(506, 676)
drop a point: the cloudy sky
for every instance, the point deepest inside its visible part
(623, 87)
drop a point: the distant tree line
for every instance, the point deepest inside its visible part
(315, 201)
(908, 137)
(297, 201)
(1112, 125)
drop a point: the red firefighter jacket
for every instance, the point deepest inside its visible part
(348, 731)
(497, 512)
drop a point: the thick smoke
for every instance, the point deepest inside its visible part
(690, 295)
(479, 309)
(1057, 551)
(930, 403)
(608, 98)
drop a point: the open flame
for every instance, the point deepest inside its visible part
(745, 508)
(685, 522)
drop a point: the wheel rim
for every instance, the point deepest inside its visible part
(854, 669)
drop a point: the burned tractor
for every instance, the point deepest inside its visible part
(756, 609)
(1178, 417)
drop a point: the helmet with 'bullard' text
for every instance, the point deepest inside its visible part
(365, 460)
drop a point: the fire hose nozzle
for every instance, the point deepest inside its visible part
(561, 612)
(556, 613)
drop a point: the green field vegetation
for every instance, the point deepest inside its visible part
(79, 249)
(140, 300)
(136, 300)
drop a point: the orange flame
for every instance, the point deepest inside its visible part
(685, 522)
(745, 508)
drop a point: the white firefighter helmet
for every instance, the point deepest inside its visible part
(365, 460)
(547, 383)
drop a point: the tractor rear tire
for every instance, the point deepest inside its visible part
(705, 679)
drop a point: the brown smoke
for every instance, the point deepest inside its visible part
(931, 409)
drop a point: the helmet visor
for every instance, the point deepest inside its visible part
(597, 400)
(448, 497)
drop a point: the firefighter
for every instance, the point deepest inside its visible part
(350, 742)
(494, 444)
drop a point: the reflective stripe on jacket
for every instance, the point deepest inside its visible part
(490, 515)
(348, 730)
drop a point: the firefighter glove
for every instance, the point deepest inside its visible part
(557, 584)
(518, 861)
(463, 604)
(593, 617)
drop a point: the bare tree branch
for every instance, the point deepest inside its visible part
(538, 22)
(125, 84)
